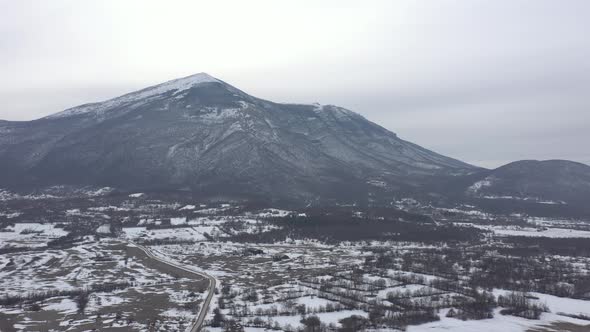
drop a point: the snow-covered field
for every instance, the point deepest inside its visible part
(185, 233)
(500, 323)
(271, 283)
(139, 292)
(29, 234)
(552, 232)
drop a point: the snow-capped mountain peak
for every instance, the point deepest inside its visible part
(182, 84)
(177, 85)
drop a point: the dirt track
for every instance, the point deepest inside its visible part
(146, 260)
(171, 268)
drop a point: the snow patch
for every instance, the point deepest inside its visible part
(145, 95)
(477, 186)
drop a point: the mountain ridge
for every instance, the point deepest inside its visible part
(178, 85)
(200, 133)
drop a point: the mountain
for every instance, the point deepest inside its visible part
(201, 134)
(545, 182)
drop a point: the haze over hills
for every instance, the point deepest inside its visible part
(201, 134)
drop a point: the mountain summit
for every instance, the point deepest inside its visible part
(201, 134)
(177, 85)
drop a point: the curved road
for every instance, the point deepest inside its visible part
(211, 289)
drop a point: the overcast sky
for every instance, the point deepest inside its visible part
(487, 82)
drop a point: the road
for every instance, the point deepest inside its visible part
(211, 289)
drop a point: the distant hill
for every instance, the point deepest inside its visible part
(546, 182)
